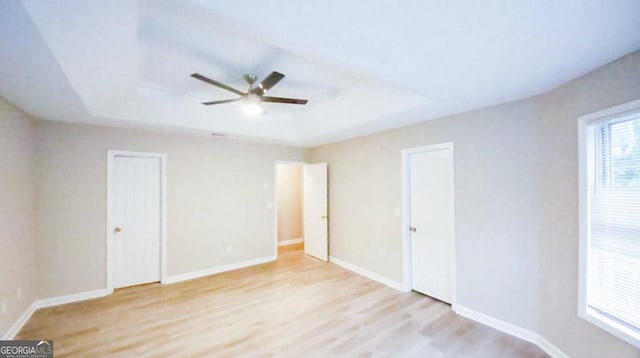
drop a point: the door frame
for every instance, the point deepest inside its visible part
(406, 214)
(111, 155)
(275, 199)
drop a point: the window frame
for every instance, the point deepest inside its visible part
(630, 335)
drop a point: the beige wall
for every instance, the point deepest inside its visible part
(494, 153)
(611, 85)
(516, 204)
(289, 198)
(18, 266)
(215, 195)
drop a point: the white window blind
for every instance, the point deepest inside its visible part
(613, 242)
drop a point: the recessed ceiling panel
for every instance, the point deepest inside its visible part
(364, 66)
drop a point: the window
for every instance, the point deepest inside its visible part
(610, 220)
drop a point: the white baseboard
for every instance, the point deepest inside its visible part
(76, 297)
(290, 242)
(550, 348)
(215, 270)
(368, 274)
(511, 329)
(48, 302)
(17, 326)
(83, 296)
(498, 324)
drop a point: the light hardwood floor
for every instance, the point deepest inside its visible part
(295, 307)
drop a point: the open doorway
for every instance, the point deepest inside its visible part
(289, 193)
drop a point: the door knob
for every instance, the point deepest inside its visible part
(412, 229)
(117, 229)
(323, 217)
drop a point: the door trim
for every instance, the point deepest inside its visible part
(275, 200)
(406, 214)
(111, 155)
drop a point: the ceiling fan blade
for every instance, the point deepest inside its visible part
(268, 82)
(216, 83)
(220, 102)
(284, 100)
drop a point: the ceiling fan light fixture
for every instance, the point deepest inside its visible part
(252, 109)
(251, 105)
(252, 99)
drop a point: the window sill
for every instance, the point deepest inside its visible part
(628, 334)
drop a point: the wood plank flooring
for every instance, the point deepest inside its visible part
(295, 307)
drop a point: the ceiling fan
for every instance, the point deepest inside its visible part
(253, 98)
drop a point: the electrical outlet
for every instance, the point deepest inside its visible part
(4, 306)
(229, 249)
(397, 211)
(266, 186)
(270, 205)
(19, 293)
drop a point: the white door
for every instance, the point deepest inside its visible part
(316, 235)
(432, 222)
(135, 217)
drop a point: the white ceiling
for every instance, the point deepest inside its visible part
(365, 66)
